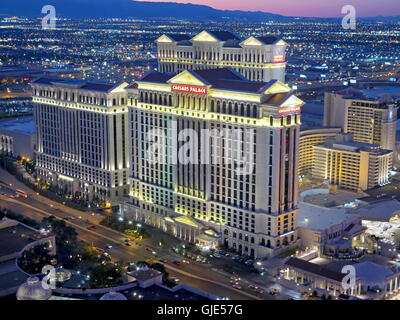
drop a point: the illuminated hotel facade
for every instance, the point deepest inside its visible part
(211, 203)
(308, 139)
(369, 120)
(256, 58)
(351, 165)
(82, 138)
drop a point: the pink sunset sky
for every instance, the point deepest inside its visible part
(304, 8)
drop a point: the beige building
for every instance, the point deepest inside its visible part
(256, 58)
(82, 138)
(253, 212)
(369, 120)
(308, 139)
(351, 165)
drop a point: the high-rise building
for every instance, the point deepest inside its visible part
(82, 138)
(351, 165)
(370, 120)
(226, 159)
(308, 139)
(256, 58)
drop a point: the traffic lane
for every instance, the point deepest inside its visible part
(14, 183)
(120, 252)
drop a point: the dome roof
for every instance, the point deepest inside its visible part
(112, 295)
(32, 289)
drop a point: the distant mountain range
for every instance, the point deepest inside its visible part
(134, 9)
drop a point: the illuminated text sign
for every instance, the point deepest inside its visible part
(288, 109)
(278, 58)
(189, 89)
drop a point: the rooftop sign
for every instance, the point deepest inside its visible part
(188, 88)
(289, 109)
(278, 58)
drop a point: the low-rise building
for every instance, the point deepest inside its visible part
(15, 238)
(17, 137)
(377, 278)
(327, 230)
(311, 276)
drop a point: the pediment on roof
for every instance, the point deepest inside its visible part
(204, 36)
(186, 77)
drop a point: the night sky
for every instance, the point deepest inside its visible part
(304, 8)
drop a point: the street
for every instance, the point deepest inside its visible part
(203, 276)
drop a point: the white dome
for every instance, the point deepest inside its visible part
(112, 295)
(32, 289)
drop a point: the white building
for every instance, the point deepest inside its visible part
(17, 137)
(328, 230)
(256, 58)
(252, 212)
(82, 137)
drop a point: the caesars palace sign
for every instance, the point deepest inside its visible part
(188, 89)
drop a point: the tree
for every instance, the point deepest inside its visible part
(66, 240)
(35, 258)
(106, 275)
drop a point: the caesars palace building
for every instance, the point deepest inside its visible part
(122, 144)
(211, 202)
(256, 58)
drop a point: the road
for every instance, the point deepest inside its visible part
(205, 277)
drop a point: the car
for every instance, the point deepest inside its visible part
(222, 253)
(274, 291)
(236, 257)
(236, 286)
(249, 262)
(259, 291)
(163, 260)
(150, 249)
(92, 227)
(216, 255)
(108, 246)
(177, 262)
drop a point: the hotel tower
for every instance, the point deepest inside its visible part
(212, 202)
(256, 58)
(82, 138)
